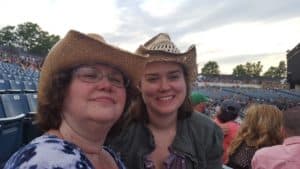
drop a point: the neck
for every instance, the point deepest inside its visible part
(90, 141)
(162, 123)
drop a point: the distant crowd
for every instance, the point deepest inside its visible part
(25, 61)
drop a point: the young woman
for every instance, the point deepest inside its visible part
(161, 130)
(260, 128)
(83, 89)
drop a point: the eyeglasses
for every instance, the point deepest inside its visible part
(90, 74)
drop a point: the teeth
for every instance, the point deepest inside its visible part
(166, 98)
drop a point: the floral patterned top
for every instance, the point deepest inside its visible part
(49, 151)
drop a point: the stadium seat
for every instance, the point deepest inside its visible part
(32, 101)
(14, 104)
(29, 86)
(16, 86)
(4, 85)
(11, 135)
(8, 77)
(31, 129)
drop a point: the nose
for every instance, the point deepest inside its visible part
(104, 84)
(164, 84)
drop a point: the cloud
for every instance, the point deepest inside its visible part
(57, 17)
(158, 8)
(224, 31)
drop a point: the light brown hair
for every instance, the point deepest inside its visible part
(260, 128)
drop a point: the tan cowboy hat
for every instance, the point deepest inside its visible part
(77, 48)
(161, 48)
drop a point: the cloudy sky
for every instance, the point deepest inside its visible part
(230, 32)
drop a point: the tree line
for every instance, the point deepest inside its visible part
(27, 37)
(247, 70)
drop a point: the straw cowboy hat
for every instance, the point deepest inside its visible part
(161, 48)
(77, 48)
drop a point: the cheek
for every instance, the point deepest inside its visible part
(121, 97)
(181, 87)
(74, 96)
(148, 90)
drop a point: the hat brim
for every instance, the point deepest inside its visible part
(77, 48)
(187, 59)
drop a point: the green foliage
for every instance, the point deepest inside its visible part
(29, 37)
(8, 37)
(239, 71)
(276, 72)
(210, 68)
(249, 69)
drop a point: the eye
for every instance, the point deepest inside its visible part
(152, 79)
(173, 77)
(89, 75)
(116, 79)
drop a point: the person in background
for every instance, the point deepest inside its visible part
(225, 116)
(260, 128)
(198, 102)
(85, 86)
(285, 156)
(162, 130)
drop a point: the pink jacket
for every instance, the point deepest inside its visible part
(284, 156)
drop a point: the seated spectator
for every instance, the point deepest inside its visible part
(260, 128)
(225, 116)
(198, 101)
(85, 86)
(282, 156)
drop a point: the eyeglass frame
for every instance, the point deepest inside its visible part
(101, 75)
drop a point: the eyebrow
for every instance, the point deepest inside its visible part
(169, 72)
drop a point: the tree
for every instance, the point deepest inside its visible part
(28, 37)
(33, 39)
(8, 37)
(253, 69)
(210, 68)
(276, 72)
(271, 72)
(282, 69)
(239, 71)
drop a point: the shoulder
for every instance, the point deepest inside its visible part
(46, 152)
(200, 120)
(234, 126)
(202, 127)
(269, 151)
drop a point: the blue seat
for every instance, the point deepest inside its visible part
(31, 129)
(16, 86)
(32, 101)
(14, 104)
(29, 86)
(4, 85)
(8, 76)
(11, 135)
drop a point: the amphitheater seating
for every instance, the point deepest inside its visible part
(32, 101)
(16, 86)
(14, 104)
(4, 85)
(29, 86)
(11, 134)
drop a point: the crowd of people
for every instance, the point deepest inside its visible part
(103, 107)
(25, 61)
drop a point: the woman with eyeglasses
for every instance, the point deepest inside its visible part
(85, 86)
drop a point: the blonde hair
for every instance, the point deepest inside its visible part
(260, 128)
